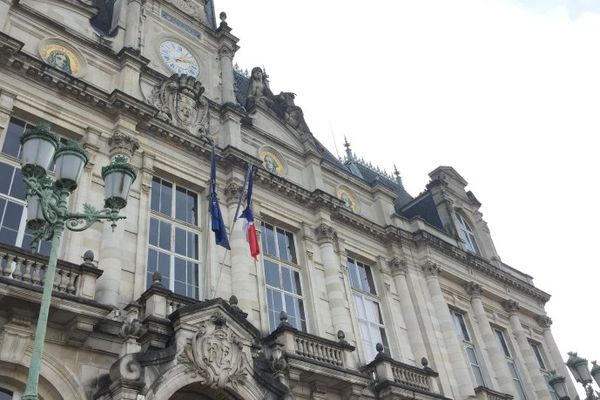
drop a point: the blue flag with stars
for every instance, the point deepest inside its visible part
(216, 218)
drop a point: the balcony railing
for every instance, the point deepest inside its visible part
(22, 267)
(385, 369)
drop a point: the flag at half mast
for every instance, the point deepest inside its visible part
(249, 219)
(216, 218)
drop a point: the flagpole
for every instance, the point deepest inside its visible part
(235, 217)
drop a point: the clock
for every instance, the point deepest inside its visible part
(178, 59)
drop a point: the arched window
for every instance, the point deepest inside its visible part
(466, 235)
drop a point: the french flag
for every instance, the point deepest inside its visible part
(249, 219)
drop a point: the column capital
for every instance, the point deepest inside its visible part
(544, 321)
(473, 289)
(398, 266)
(122, 143)
(325, 233)
(431, 269)
(511, 306)
(232, 191)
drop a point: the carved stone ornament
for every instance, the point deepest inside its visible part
(544, 321)
(398, 265)
(121, 143)
(216, 355)
(325, 233)
(473, 289)
(431, 269)
(180, 102)
(511, 306)
(193, 8)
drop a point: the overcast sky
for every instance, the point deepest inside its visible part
(505, 91)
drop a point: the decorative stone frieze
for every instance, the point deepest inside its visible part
(325, 233)
(431, 269)
(192, 8)
(473, 289)
(511, 306)
(544, 321)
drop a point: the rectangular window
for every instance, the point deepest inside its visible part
(463, 333)
(360, 276)
(370, 321)
(538, 354)
(173, 239)
(514, 371)
(282, 278)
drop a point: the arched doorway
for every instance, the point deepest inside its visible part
(197, 391)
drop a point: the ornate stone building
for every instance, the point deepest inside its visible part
(384, 295)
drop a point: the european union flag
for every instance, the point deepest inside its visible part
(216, 218)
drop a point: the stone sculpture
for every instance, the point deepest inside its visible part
(179, 101)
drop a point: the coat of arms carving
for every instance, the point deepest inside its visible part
(179, 100)
(216, 354)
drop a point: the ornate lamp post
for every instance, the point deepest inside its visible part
(582, 374)
(48, 215)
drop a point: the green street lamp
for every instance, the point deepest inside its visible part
(559, 385)
(580, 370)
(48, 212)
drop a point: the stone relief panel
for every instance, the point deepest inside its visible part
(180, 101)
(216, 355)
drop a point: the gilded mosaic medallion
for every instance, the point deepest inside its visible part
(272, 162)
(61, 58)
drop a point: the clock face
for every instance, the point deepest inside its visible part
(178, 59)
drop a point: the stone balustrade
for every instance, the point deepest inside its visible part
(483, 393)
(302, 345)
(385, 369)
(22, 267)
(160, 302)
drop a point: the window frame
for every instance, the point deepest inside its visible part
(290, 264)
(175, 224)
(365, 296)
(462, 330)
(500, 334)
(466, 233)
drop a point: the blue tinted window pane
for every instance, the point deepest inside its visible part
(287, 280)
(354, 276)
(155, 194)
(282, 244)
(180, 241)
(18, 186)
(165, 198)
(12, 215)
(290, 246)
(164, 236)
(6, 175)
(12, 143)
(153, 234)
(269, 240)
(8, 236)
(5, 394)
(272, 274)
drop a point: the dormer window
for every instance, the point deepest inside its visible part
(466, 235)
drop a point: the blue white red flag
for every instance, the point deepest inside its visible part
(249, 219)
(216, 218)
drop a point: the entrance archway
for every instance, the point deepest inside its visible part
(196, 391)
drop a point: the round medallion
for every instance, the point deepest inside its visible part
(61, 58)
(348, 199)
(272, 162)
(178, 58)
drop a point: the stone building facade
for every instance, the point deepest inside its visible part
(384, 295)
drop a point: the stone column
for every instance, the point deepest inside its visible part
(499, 370)
(399, 270)
(340, 317)
(226, 62)
(456, 352)
(242, 264)
(545, 322)
(538, 383)
(111, 245)
(132, 34)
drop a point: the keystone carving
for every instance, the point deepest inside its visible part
(544, 321)
(473, 289)
(325, 233)
(180, 102)
(216, 355)
(431, 269)
(511, 306)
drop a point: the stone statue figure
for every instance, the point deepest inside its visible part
(179, 100)
(60, 60)
(258, 90)
(292, 114)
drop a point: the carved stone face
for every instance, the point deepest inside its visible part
(257, 74)
(186, 109)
